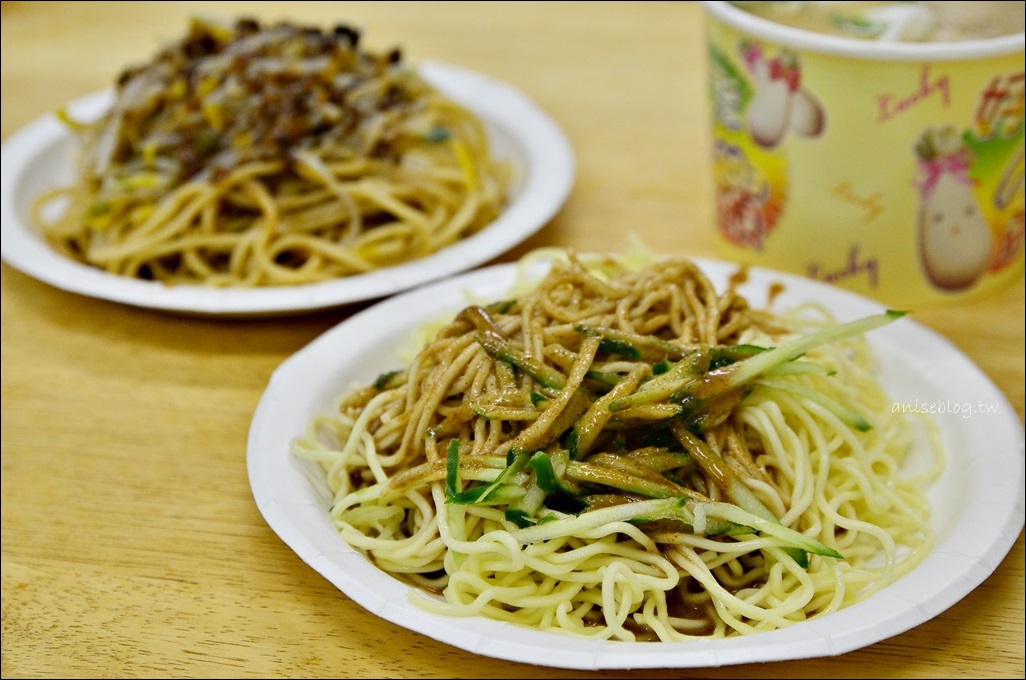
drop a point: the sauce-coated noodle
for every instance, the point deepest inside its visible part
(630, 454)
(250, 155)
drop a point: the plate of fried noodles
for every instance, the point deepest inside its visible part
(627, 461)
(254, 169)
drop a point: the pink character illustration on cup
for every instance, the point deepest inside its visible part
(779, 104)
(744, 211)
(739, 213)
(955, 241)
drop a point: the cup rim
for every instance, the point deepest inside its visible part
(863, 49)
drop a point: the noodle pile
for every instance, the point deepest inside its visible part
(629, 454)
(250, 155)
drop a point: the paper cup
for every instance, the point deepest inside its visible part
(891, 169)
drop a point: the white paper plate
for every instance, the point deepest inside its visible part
(978, 502)
(40, 156)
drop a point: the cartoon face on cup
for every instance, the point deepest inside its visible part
(876, 146)
(954, 238)
(780, 104)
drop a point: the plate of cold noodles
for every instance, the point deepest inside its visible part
(601, 461)
(255, 168)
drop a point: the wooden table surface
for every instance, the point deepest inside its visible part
(132, 546)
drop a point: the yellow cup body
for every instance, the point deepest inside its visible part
(901, 179)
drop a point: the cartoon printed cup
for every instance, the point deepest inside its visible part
(890, 167)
